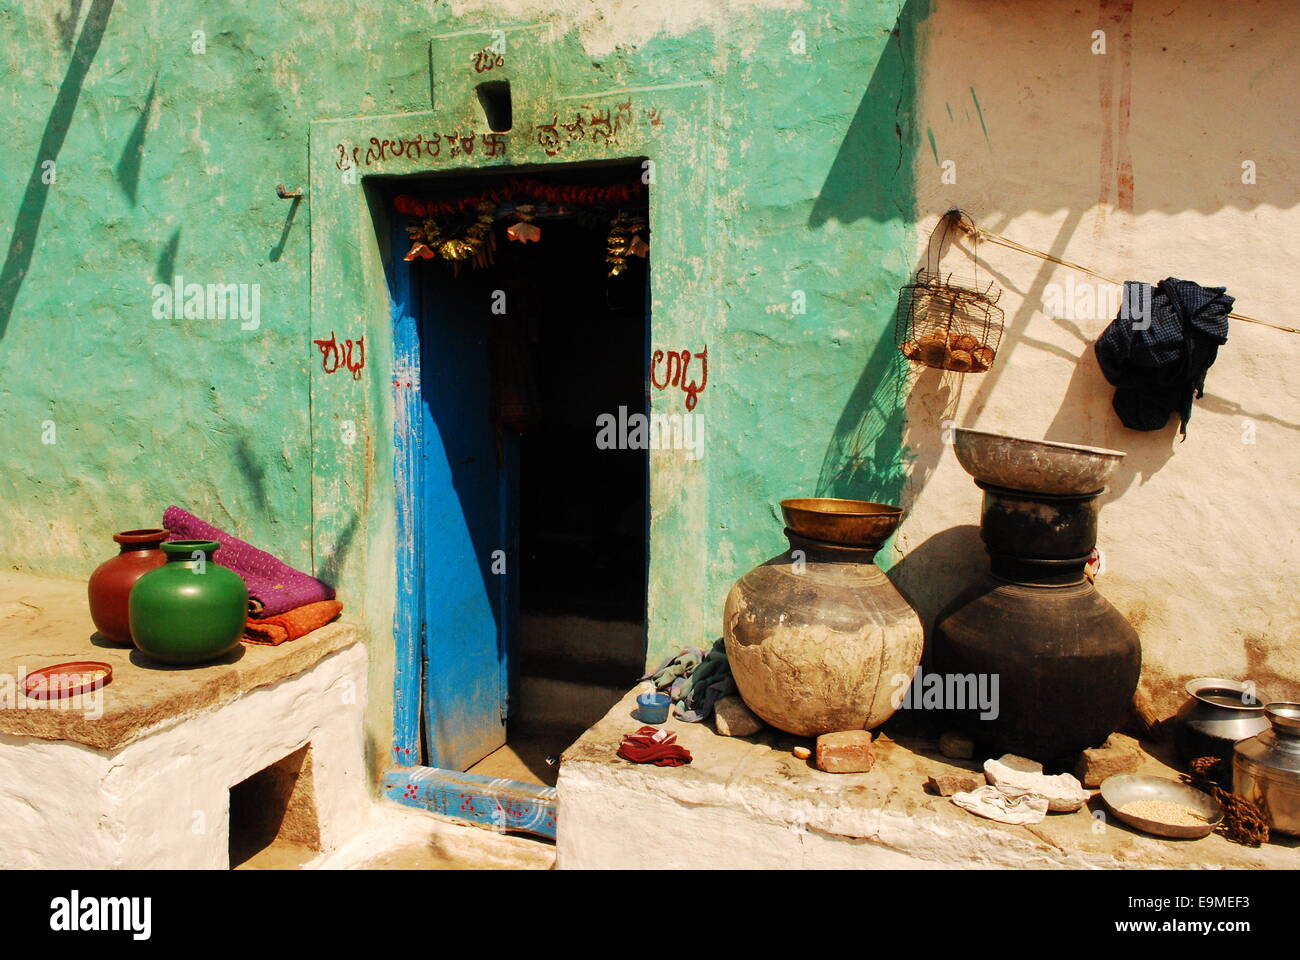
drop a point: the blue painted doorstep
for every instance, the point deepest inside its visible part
(507, 806)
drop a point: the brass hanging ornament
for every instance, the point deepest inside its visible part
(625, 241)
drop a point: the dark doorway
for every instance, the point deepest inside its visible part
(535, 539)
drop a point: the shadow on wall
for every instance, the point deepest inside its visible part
(870, 180)
(929, 576)
(254, 471)
(127, 171)
(1147, 451)
(862, 460)
(22, 241)
(165, 271)
(329, 566)
(866, 179)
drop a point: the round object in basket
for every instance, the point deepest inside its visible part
(946, 322)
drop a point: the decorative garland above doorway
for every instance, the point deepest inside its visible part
(460, 229)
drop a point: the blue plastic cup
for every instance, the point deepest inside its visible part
(652, 708)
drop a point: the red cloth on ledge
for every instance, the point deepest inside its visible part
(652, 745)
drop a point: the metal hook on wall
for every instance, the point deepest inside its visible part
(284, 194)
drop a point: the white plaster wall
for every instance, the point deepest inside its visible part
(50, 814)
(162, 801)
(1200, 537)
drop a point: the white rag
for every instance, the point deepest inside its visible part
(1005, 805)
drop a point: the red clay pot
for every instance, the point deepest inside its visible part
(110, 585)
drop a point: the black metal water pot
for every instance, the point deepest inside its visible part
(1066, 661)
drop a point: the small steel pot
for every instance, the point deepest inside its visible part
(1266, 768)
(1217, 715)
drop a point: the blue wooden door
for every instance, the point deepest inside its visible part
(467, 528)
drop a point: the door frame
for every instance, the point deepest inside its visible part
(360, 531)
(510, 805)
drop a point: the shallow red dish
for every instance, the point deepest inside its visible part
(58, 682)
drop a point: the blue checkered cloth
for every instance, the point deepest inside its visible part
(1157, 367)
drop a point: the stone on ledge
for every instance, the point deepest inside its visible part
(1063, 792)
(946, 786)
(801, 753)
(849, 751)
(1119, 754)
(731, 718)
(956, 746)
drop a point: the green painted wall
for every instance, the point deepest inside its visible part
(779, 171)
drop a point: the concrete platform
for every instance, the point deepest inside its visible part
(142, 772)
(750, 804)
(46, 621)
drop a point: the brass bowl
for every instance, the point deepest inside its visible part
(853, 523)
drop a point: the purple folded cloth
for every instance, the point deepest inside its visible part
(274, 587)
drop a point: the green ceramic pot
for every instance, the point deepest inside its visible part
(189, 610)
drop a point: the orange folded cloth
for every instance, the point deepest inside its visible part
(291, 624)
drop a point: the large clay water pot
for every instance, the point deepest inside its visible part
(1066, 663)
(190, 610)
(817, 637)
(110, 585)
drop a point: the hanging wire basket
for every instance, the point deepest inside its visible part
(947, 323)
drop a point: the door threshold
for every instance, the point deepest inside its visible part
(507, 806)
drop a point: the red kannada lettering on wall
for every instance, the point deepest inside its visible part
(334, 355)
(487, 59)
(598, 126)
(676, 364)
(432, 147)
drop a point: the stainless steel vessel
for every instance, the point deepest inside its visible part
(1217, 715)
(1266, 768)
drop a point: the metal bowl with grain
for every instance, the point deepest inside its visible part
(1125, 788)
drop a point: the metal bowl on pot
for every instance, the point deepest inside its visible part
(1036, 466)
(850, 523)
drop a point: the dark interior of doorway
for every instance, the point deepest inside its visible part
(581, 512)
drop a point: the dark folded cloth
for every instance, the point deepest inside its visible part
(1157, 351)
(274, 587)
(273, 631)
